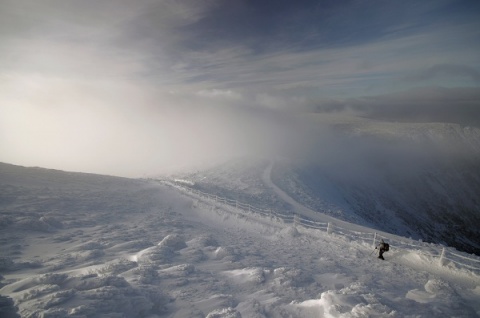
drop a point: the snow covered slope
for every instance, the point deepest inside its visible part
(78, 245)
(413, 179)
(418, 179)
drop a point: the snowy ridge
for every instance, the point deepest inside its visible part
(399, 192)
(437, 132)
(110, 247)
(444, 255)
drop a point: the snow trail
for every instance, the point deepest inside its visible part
(309, 213)
(416, 259)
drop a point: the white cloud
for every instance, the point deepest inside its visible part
(219, 93)
(373, 67)
(176, 13)
(117, 87)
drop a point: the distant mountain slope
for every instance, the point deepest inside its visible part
(418, 180)
(41, 177)
(435, 189)
(415, 179)
(437, 206)
(47, 200)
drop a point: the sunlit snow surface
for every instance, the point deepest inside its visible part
(92, 246)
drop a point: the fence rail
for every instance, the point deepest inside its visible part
(443, 254)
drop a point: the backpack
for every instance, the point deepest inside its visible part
(386, 247)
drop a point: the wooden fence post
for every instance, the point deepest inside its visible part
(375, 239)
(442, 256)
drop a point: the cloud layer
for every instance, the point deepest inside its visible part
(109, 85)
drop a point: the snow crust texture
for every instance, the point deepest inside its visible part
(112, 247)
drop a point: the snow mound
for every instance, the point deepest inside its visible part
(98, 282)
(289, 232)
(203, 241)
(252, 308)
(437, 286)
(59, 298)
(353, 301)
(290, 277)
(439, 296)
(225, 253)
(224, 313)
(247, 275)
(214, 303)
(131, 245)
(161, 252)
(116, 267)
(179, 270)
(51, 221)
(175, 242)
(33, 224)
(123, 301)
(146, 274)
(46, 295)
(154, 254)
(195, 255)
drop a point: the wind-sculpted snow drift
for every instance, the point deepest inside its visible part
(133, 248)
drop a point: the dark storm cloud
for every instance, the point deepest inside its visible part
(272, 25)
(325, 47)
(446, 71)
(160, 83)
(435, 104)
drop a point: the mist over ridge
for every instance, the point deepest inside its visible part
(412, 179)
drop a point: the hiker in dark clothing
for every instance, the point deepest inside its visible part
(382, 248)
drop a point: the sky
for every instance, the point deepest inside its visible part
(135, 87)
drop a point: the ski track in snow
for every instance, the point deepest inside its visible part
(141, 249)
